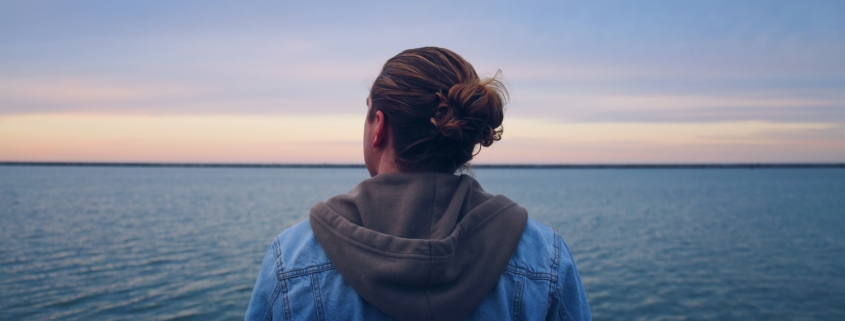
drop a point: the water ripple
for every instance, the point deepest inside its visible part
(186, 243)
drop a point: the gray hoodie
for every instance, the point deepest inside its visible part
(421, 245)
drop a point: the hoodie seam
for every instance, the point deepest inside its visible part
(425, 287)
(489, 218)
(430, 255)
(431, 213)
(368, 248)
(333, 231)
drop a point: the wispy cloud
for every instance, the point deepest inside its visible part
(782, 106)
(337, 138)
(92, 137)
(725, 80)
(76, 91)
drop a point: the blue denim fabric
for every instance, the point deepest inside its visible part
(298, 282)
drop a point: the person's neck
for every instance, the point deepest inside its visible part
(387, 163)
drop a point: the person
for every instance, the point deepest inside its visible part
(416, 241)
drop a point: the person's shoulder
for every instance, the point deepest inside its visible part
(298, 249)
(539, 253)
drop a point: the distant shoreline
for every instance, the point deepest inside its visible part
(505, 166)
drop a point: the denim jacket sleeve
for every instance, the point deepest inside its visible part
(568, 300)
(266, 288)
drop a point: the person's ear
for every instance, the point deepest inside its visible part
(380, 134)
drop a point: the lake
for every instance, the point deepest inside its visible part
(159, 243)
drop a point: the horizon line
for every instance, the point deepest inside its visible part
(502, 166)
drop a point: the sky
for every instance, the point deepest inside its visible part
(281, 82)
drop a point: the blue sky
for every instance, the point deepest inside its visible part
(659, 63)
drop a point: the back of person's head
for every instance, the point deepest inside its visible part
(437, 109)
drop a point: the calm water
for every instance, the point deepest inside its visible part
(651, 244)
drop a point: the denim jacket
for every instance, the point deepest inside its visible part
(297, 281)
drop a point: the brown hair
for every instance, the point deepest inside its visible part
(437, 108)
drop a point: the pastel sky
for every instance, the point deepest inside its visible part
(282, 82)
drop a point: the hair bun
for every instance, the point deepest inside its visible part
(438, 109)
(472, 112)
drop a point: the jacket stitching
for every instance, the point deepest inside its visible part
(285, 300)
(530, 275)
(283, 287)
(561, 311)
(555, 265)
(318, 299)
(306, 270)
(517, 296)
(277, 251)
(558, 288)
(269, 314)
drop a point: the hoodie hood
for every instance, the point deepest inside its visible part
(420, 246)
